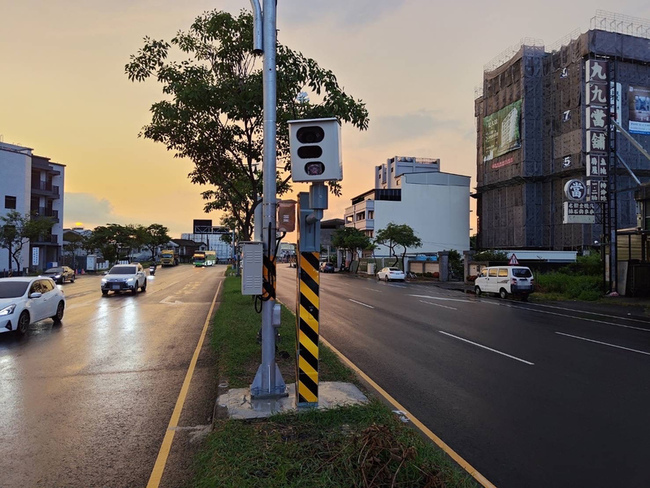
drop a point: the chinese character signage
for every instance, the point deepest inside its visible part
(596, 190)
(579, 213)
(596, 118)
(596, 165)
(596, 141)
(575, 190)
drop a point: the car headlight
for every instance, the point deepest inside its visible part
(104, 280)
(8, 310)
(130, 280)
(57, 276)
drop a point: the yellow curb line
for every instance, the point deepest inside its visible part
(450, 452)
(165, 448)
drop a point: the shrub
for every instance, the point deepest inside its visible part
(436, 274)
(471, 278)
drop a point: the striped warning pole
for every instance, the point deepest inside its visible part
(308, 305)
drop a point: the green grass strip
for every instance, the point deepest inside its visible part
(361, 445)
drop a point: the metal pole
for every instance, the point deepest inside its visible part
(268, 380)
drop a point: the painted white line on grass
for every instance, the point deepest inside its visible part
(438, 305)
(604, 343)
(361, 303)
(488, 348)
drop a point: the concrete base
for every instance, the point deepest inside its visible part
(237, 403)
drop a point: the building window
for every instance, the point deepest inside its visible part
(371, 214)
(10, 202)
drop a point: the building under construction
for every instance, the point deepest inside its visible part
(545, 127)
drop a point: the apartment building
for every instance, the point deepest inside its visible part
(415, 192)
(543, 122)
(32, 185)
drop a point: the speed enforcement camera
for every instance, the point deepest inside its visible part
(315, 150)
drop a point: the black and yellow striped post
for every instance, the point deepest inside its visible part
(268, 287)
(307, 306)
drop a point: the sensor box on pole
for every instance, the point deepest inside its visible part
(252, 264)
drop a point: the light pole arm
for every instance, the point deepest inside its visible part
(258, 44)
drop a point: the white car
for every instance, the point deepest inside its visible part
(124, 277)
(24, 301)
(389, 274)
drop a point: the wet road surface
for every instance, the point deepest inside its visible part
(87, 403)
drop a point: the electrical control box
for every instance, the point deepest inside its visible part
(252, 268)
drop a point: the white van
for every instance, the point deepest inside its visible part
(505, 280)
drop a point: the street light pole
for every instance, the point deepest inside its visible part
(268, 382)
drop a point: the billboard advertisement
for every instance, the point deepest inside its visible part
(501, 131)
(639, 103)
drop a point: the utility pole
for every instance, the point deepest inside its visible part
(268, 382)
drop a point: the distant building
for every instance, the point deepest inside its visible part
(211, 235)
(434, 204)
(543, 120)
(32, 185)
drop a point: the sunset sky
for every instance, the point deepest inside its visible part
(415, 63)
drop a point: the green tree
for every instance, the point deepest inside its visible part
(16, 230)
(213, 114)
(350, 239)
(154, 236)
(398, 235)
(491, 255)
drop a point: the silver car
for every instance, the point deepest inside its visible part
(24, 301)
(124, 277)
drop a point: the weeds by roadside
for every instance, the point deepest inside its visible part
(353, 446)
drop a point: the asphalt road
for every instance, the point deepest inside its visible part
(531, 395)
(87, 403)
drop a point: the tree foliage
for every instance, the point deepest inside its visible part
(155, 236)
(350, 239)
(213, 114)
(16, 230)
(491, 255)
(117, 242)
(395, 236)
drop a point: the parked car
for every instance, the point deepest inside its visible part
(124, 277)
(505, 280)
(26, 300)
(390, 274)
(60, 274)
(326, 267)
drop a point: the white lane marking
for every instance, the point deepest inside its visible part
(583, 318)
(168, 301)
(372, 289)
(596, 313)
(361, 303)
(604, 343)
(438, 305)
(441, 298)
(488, 348)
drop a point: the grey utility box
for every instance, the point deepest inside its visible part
(252, 266)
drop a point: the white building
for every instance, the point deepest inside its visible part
(32, 185)
(434, 204)
(387, 176)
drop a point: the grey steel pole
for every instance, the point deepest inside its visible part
(268, 381)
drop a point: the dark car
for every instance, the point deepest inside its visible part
(326, 268)
(60, 274)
